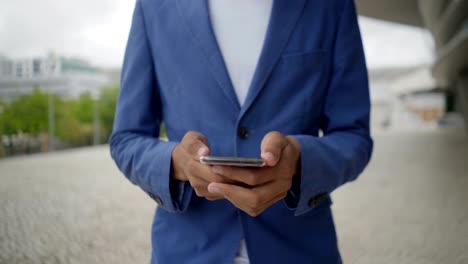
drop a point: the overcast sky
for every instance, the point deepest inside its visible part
(97, 30)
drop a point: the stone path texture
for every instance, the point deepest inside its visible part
(409, 206)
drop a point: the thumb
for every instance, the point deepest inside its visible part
(203, 150)
(195, 144)
(272, 147)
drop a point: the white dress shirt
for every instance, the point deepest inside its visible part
(240, 28)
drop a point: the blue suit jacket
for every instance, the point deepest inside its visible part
(311, 76)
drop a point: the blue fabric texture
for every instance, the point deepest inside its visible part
(311, 76)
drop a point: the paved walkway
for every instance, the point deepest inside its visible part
(410, 206)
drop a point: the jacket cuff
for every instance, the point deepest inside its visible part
(181, 193)
(314, 186)
(161, 191)
(292, 198)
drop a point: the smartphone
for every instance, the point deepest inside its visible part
(232, 161)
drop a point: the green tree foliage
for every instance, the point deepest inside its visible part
(3, 107)
(26, 113)
(74, 118)
(107, 105)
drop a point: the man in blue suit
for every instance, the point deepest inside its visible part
(253, 78)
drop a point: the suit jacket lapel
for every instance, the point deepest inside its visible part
(284, 17)
(197, 18)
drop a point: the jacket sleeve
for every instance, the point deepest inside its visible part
(135, 146)
(346, 146)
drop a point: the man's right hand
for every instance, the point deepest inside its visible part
(186, 165)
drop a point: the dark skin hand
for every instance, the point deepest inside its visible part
(252, 190)
(186, 165)
(262, 187)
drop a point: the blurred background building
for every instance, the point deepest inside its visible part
(66, 77)
(408, 98)
(447, 20)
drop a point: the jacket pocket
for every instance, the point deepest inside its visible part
(309, 60)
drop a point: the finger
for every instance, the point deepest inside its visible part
(237, 195)
(213, 198)
(268, 197)
(205, 173)
(213, 177)
(251, 177)
(201, 190)
(272, 146)
(245, 199)
(200, 187)
(195, 144)
(273, 190)
(273, 200)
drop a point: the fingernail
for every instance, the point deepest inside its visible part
(268, 157)
(217, 170)
(202, 151)
(213, 188)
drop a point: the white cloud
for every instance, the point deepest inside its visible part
(108, 39)
(97, 30)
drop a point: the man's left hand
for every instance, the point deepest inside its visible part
(264, 186)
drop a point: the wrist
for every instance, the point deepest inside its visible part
(176, 171)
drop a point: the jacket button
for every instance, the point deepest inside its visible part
(317, 199)
(243, 133)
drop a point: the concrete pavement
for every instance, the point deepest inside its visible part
(410, 206)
